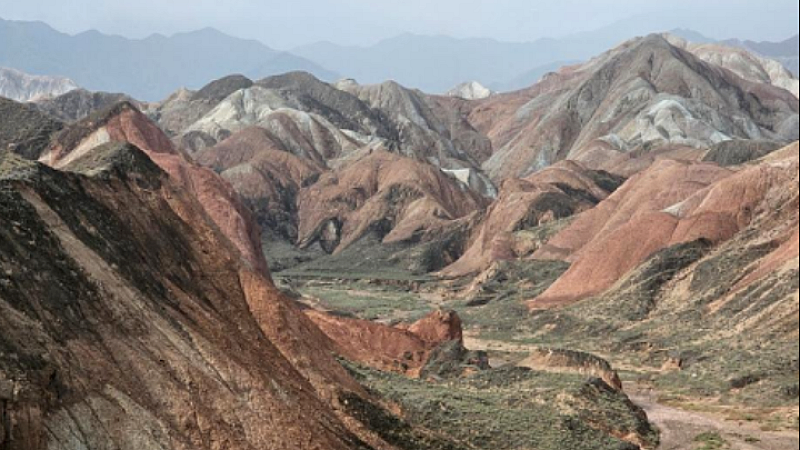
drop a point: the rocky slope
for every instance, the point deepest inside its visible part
(712, 304)
(395, 198)
(392, 349)
(747, 65)
(547, 197)
(151, 290)
(185, 107)
(21, 87)
(640, 97)
(266, 175)
(124, 123)
(671, 203)
(165, 280)
(331, 124)
(300, 120)
(23, 129)
(426, 128)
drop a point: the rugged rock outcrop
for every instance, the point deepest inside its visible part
(302, 110)
(266, 175)
(185, 107)
(21, 87)
(426, 128)
(558, 360)
(642, 96)
(331, 124)
(124, 123)
(723, 288)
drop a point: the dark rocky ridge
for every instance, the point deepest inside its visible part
(25, 130)
(79, 104)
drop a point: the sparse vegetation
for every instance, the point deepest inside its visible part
(509, 409)
(710, 441)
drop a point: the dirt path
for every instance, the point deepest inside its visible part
(680, 428)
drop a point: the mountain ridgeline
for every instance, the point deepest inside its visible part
(147, 69)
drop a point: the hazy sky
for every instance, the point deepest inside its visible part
(285, 24)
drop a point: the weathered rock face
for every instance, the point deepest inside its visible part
(439, 327)
(305, 113)
(112, 274)
(184, 107)
(672, 203)
(641, 96)
(427, 128)
(386, 194)
(21, 87)
(721, 284)
(330, 124)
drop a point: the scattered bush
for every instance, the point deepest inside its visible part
(710, 441)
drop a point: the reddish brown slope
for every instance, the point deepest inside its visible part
(388, 348)
(265, 175)
(641, 97)
(130, 317)
(384, 193)
(560, 191)
(624, 231)
(124, 123)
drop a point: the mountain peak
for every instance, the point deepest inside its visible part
(472, 90)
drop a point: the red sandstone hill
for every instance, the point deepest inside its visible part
(395, 197)
(639, 97)
(124, 123)
(387, 348)
(266, 175)
(558, 192)
(669, 204)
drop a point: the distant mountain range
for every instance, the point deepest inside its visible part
(147, 69)
(784, 51)
(437, 63)
(152, 68)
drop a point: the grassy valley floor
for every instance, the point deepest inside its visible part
(509, 408)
